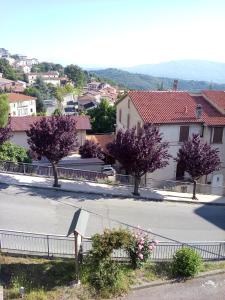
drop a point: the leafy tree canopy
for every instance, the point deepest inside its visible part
(103, 117)
(198, 159)
(54, 138)
(4, 110)
(76, 74)
(7, 71)
(46, 67)
(90, 149)
(15, 153)
(140, 152)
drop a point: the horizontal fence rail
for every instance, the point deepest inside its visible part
(118, 179)
(60, 246)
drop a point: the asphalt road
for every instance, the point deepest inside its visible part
(211, 287)
(48, 211)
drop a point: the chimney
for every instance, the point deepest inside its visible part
(175, 84)
(198, 111)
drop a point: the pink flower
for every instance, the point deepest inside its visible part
(150, 247)
(140, 247)
(140, 255)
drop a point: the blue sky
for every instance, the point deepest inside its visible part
(114, 32)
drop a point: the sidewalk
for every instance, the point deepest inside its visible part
(109, 190)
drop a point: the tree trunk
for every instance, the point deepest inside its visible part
(55, 174)
(137, 181)
(194, 190)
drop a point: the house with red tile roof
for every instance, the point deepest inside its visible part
(21, 105)
(178, 114)
(21, 124)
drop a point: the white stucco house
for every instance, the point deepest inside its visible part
(21, 124)
(21, 105)
(178, 115)
(51, 77)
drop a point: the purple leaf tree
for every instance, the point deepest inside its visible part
(140, 152)
(54, 138)
(5, 132)
(90, 149)
(198, 159)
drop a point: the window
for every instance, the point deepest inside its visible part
(184, 133)
(120, 115)
(128, 121)
(217, 135)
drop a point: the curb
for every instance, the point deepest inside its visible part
(171, 281)
(142, 198)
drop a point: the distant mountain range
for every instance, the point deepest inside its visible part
(145, 82)
(184, 69)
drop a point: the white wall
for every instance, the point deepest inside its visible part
(171, 133)
(23, 108)
(20, 138)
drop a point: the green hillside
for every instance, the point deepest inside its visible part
(146, 82)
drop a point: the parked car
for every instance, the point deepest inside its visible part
(108, 170)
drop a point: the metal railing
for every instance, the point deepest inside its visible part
(118, 179)
(49, 245)
(40, 170)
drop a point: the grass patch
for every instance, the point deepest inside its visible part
(42, 279)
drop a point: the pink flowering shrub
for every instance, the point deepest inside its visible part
(140, 248)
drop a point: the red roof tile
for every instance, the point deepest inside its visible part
(218, 97)
(23, 123)
(173, 107)
(14, 97)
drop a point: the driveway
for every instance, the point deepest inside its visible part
(50, 211)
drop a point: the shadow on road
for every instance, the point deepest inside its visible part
(213, 213)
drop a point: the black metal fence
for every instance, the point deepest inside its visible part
(60, 246)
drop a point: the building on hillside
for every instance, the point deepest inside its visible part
(4, 52)
(51, 77)
(21, 124)
(21, 105)
(7, 85)
(88, 100)
(178, 115)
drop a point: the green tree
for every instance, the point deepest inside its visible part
(7, 71)
(34, 92)
(46, 67)
(103, 117)
(15, 153)
(76, 74)
(4, 110)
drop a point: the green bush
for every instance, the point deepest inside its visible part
(186, 262)
(13, 152)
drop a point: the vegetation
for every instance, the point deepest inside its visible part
(140, 152)
(198, 159)
(53, 138)
(145, 82)
(90, 149)
(35, 92)
(46, 67)
(186, 262)
(76, 74)
(103, 117)
(7, 71)
(15, 153)
(4, 110)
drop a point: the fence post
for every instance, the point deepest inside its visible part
(48, 245)
(49, 171)
(24, 171)
(220, 248)
(76, 256)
